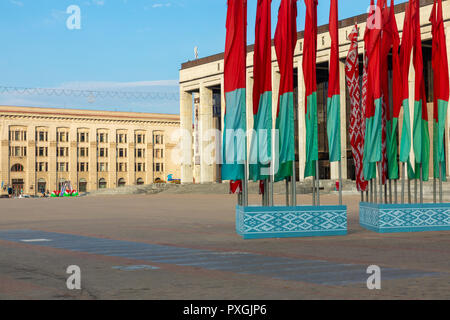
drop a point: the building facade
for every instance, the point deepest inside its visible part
(41, 149)
(202, 79)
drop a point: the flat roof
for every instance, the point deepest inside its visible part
(399, 8)
(89, 113)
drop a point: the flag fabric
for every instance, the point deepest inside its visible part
(235, 187)
(334, 91)
(261, 145)
(285, 41)
(421, 137)
(356, 117)
(373, 140)
(405, 64)
(441, 88)
(364, 102)
(391, 40)
(309, 72)
(234, 146)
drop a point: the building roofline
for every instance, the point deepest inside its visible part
(399, 8)
(88, 113)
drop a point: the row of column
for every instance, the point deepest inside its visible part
(206, 123)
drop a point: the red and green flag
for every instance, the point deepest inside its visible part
(405, 65)
(334, 91)
(421, 137)
(441, 88)
(373, 143)
(285, 41)
(234, 141)
(309, 72)
(261, 145)
(391, 40)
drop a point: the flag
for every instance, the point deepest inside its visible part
(309, 72)
(261, 145)
(334, 98)
(373, 140)
(390, 40)
(441, 88)
(234, 146)
(356, 117)
(285, 41)
(421, 137)
(364, 102)
(405, 64)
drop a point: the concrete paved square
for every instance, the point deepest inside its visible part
(184, 246)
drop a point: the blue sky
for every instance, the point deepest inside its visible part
(131, 45)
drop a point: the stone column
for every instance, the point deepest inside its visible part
(186, 136)
(343, 124)
(93, 174)
(30, 181)
(4, 157)
(112, 159)
(73, 157)
(131, 158)
(52, 159)
(301, 120)
(150, 178)
(205, 125)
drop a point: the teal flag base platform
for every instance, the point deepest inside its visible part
(393, 218)
(291, 222)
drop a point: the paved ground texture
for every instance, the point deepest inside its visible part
(184, 246)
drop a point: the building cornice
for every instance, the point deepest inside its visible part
(89, 116)
(345, 23)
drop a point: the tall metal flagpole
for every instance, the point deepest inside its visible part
(434, 190)
(421, 184)
(416, 192)
(275, 147)
(381, 181)
(375, 190)
(385, 193)
(245, 182)
(287, 192)
(314, 190)
(390, 191)
(371, 190)
(403, 182)
(340, 183)
(294, 185)
(395, 191)
(409, 191)
(441, 200)
(318, 183)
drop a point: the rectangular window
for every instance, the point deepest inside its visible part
(82, 137)
(63, 167)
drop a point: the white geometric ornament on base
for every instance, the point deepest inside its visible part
(391, 218)
(291, 222)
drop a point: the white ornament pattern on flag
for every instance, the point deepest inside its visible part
(357, 123)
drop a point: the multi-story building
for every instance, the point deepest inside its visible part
(203, 79)
(40, 149)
